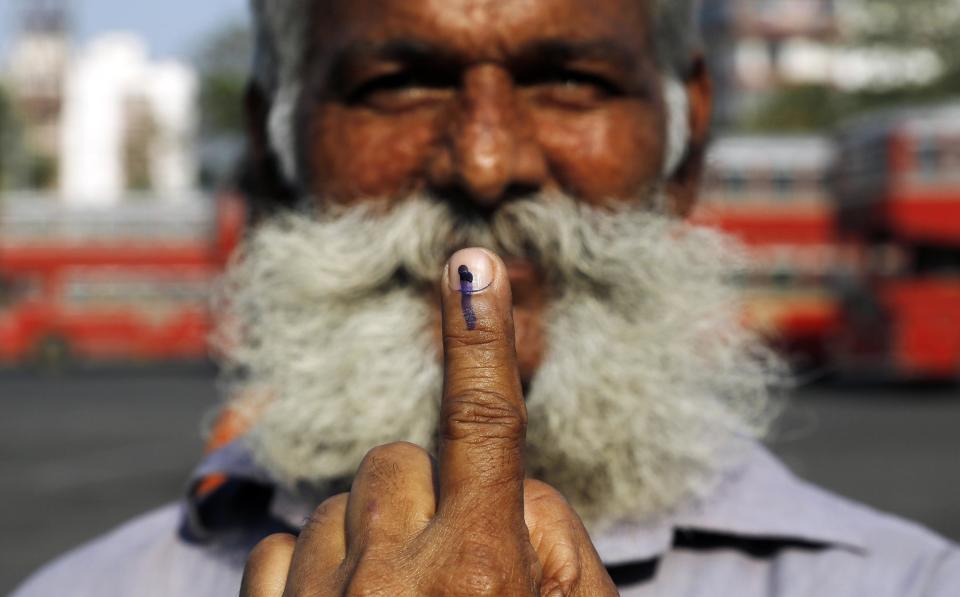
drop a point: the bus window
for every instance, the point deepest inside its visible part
(782, 185)
(950, 158)
(821, 182)
(17, 290)
(6, 293)
(135, 291)
(735, 184)
(927, 157)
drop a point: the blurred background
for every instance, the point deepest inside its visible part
(836, 159)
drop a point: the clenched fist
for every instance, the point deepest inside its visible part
(467, 525)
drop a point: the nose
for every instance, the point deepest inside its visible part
(490, 151)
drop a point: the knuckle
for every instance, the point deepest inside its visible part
(545, 506)
(383, 463)
(373, 579)
(272, 544)
(332, 507)
(566, 577)
(479, 338)
(378, 464)
(539, 493)
(481, 582)
(399, 452)
(483, 415)
(476, 575)
(367, 589)
(486, 567)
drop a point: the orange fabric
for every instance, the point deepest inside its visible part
(209, 484)
(229, 426)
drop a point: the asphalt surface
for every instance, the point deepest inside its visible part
(81, 453)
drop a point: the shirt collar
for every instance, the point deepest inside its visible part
(761, 500)
(758, 501)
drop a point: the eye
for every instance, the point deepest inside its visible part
(582, 79)
(402, 89)
(571, 87)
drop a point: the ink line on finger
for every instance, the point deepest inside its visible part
(466, 290)
(470, 272)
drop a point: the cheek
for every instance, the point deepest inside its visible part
(355, 154)
(613, 153)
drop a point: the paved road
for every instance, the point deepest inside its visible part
(895, 449)
(80, 454)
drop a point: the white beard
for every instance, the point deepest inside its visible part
(648, 391)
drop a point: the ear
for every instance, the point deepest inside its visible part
(260, 177)
(684, 185)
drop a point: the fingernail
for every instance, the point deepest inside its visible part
(470, 271)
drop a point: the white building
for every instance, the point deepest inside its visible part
(128, 124)
(759, 46)
(33, 72)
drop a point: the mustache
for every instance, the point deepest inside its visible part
(407, 241)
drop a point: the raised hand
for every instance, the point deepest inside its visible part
(467, 525)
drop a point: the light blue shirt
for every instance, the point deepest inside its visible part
(762, 533)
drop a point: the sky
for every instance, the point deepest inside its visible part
(172, 28)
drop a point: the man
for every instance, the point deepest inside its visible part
(591, 344)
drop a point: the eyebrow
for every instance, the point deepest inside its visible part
(562, 51)
(410, 52)
(544, 51)
(395, 50)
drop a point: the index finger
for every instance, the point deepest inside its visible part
(482, 416)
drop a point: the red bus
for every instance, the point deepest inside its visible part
(898, 192)
(901, 328)
(899, 178)
(771, 192)
(125, 283)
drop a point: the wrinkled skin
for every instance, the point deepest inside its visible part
(515, 96)
(472, 524)
(475, 101)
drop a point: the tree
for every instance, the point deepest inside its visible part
(7, 137)
(879, 24)
(929, 24)
(820, 107)
(18, 166)
(223, 64)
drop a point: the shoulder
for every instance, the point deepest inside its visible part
(816, 538)
(144, 557)
(946, 578)
(896, 556)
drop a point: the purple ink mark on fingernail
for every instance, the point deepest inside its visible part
(466, 289)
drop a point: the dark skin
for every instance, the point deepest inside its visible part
(477, 102)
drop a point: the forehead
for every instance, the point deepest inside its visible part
(481, 29)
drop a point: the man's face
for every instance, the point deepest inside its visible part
(506, 124)
(480, 101)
